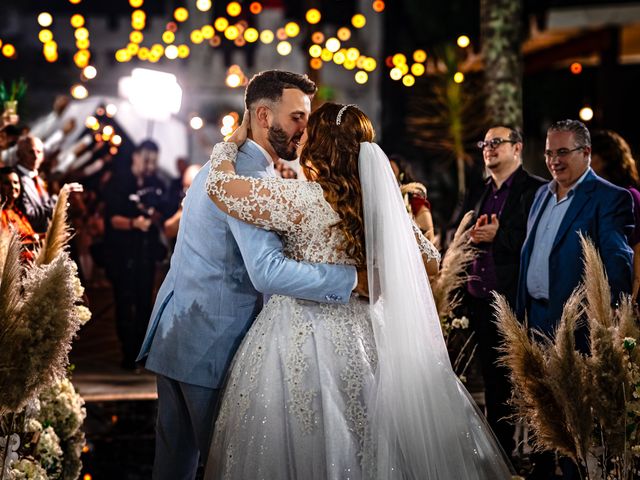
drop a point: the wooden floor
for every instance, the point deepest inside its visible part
(96, 355)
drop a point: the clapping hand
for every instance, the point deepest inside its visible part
(483, 231)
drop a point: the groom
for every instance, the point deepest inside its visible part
(211, 295)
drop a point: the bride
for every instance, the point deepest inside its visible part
(357, 391)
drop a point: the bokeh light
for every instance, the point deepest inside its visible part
(251, 35)
(417, 69)
(266, 36)
(344, 34)
(196, 123)
(576, 68)
(90, 72)
(79, 92)
(358, 20)
(463, 41)
(45, 19)
(313, 16)
(284, 48)
(181, 14)
(292, 29)
(255, 8)
(333, 44)
(234, 9)
(458, 77)
(221, 24)
(419, 56)
(378, 6)
(171, 52)
(408, 80)
(586, 114)
(361, 77)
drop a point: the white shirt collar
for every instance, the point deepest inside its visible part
(30, 173)
(553, 184)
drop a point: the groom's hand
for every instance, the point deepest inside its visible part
(362, 288)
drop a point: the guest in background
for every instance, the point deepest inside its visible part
(611, 159)
(133, 202)
(11, 216)
(415, 196)
(172, 224)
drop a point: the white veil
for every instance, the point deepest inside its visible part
(424, 423)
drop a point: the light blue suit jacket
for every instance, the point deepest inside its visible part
(210, 295)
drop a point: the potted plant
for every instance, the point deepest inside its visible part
(11, 96)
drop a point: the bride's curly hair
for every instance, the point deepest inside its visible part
(330, 157)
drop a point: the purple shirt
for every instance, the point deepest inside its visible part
(482, 274)
(634, 238)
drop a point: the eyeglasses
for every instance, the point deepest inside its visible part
(493, 143)
(561, 152)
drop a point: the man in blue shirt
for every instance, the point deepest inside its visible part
(575, 201)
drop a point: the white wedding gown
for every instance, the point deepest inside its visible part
(295, 402)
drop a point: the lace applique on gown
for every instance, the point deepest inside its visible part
(294, 406)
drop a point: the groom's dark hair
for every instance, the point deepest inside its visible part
(268, 85)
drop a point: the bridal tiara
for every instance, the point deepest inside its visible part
(342, 110)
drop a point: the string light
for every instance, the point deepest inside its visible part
(292, 29)
(586, 114)
(417, 69)
(232, 32)
(576, 68)
(221, 24)
(358, 20)
(313, 16)
(266, 36)
(234, 9)
(196, 123)
(136, 3)
(171, 52)
(458, 77)
(284, 48)
(181, 14)
(378, 6)
(399, 59)
(90, 72)
(207, 32)
(463, 41)
(344, 34)
(203, 5)
(77, 21)
(317, 37)
(315, 63)
(79, 92)
(408, 80)
(395, 73)
(168, 37)
(333, 44)
(45, 35)
(45, 19)
(419, 56)
(196, 36)
(361, 77)
(233, 80)
(255, 8)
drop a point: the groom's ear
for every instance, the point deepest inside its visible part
(262, 116)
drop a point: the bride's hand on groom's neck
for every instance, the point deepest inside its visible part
(239, 136)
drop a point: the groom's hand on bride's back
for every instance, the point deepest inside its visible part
(239, 136)
(362, 288)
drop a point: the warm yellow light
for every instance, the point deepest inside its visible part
(136, 37)
(81, 33)
(45, 35)
(108, 130)
(231, 32)
(353, 54)
(315, 63)
(292, 29)
(143, 53)
(281, 34)
(87, 476)
(284, 48)
(116, 140)
(333, 44)
(315, 51)
(344, 34)
(395, 73)
(122, 55)
(404, 68)
(157, 50)
(228, 121)
(313, 16)
(586, 114)
(358, 20)
(74, 2)
(208, 32)
(234, 9)
(183, 51)
(369, 64)
(8, 50)
(111, 110)
(266, 36)
(458, 77)
(419, 56)
(203, 5)
(45, 19)
(360, 62)
(90, 72)
(417, 69)
(138, 16)
(221, 24)
(349, 64)
(50, 48)
(77, 21)
(136, 3)
(81, 58)
(251, 35)
(168, 37)
(79, 91)
(361, 77)
(132, 48)
(399, 59)
(196, 36)
(52, 57)
(181, 14)
(339, 58)
(463, 41)
(91, 122)
(408, 80)
(215, 41)
(326, 55)
(82, 44)
(233, 80)
(317, 37)
(171, 52)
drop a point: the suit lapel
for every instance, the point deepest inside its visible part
(581, 197)
(514, 191)
(539, 205)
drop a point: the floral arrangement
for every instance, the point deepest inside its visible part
(40, 312)
(15, 92)
(584, 406)
(446, 287)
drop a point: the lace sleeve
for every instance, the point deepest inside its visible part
(426, 247)
(270, 203)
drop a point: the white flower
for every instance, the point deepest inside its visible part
(464, 322)
(456, 323)
(27, 469)
(49, 452)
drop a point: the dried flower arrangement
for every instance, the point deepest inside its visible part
(584, 406)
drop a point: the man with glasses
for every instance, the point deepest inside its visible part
(575, 201)
(498, 234)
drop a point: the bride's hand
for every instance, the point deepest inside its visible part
(239, 136)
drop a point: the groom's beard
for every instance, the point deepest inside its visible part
(285, 146)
